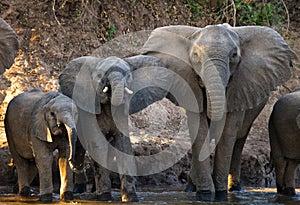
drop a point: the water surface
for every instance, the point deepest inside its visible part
(160, 196)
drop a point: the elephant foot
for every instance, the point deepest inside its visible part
(79, 188)
(236, 187)
(67, 196)
(25, 191)
(205, 195)
(289, 191)
(16, 189)
(45, 198)
(130, 197)
(279, 188)
(221, 195)
(106, 196)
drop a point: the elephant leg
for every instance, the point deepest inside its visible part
(280, 165)
(289, 178)
(80, 182)
(128, 188)
(277, 158)
(66, 179)
(44, 158)
(23, 169)
(190, 187)
(200, 172)
(79, 178)
(102, 183)
(224, 152)
(66, 173)
(32, 171)
(22, 166)
(122, 143)
(235, 167)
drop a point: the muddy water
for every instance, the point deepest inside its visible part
(249, 196)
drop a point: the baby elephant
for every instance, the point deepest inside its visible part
(37, 123)
(284, 133)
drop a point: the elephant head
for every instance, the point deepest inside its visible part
(92, 81)
(55, 115)
(9, 46)
(237, 66)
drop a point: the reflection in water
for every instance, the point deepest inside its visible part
(249, 196)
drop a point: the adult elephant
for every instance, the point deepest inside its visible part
(9, 46)
(232, 71)
(99, 87)
(37, 123)
(284, 133)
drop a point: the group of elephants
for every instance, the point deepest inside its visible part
(221, 75)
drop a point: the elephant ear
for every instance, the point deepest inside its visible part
(39, 126)
(171, 40)
(152, 81)
(146, 85)
(77, 81)
(9, 46)
(266, 61)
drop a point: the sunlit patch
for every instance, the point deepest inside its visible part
(269, 190)
(124, 198)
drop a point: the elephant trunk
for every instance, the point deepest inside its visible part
(117, 82)
(215, 78)
(72, 137)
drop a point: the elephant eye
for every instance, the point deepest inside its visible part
(234, 55)
(52, 113)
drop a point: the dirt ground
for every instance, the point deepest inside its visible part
(51, 33)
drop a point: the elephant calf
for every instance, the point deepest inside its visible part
(37, 123)
(284, 133)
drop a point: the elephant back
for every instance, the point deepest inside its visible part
(17, 122)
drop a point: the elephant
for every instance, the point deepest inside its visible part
(37, 123)
(284, 132)
(9, 46)
(232, 71)
(99, 88)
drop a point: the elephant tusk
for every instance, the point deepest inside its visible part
(130, 92)
(105, 89)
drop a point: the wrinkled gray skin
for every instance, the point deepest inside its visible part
(9, 46)
(231, 70)
(37, 123)
(284, 133)
(97, 86)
